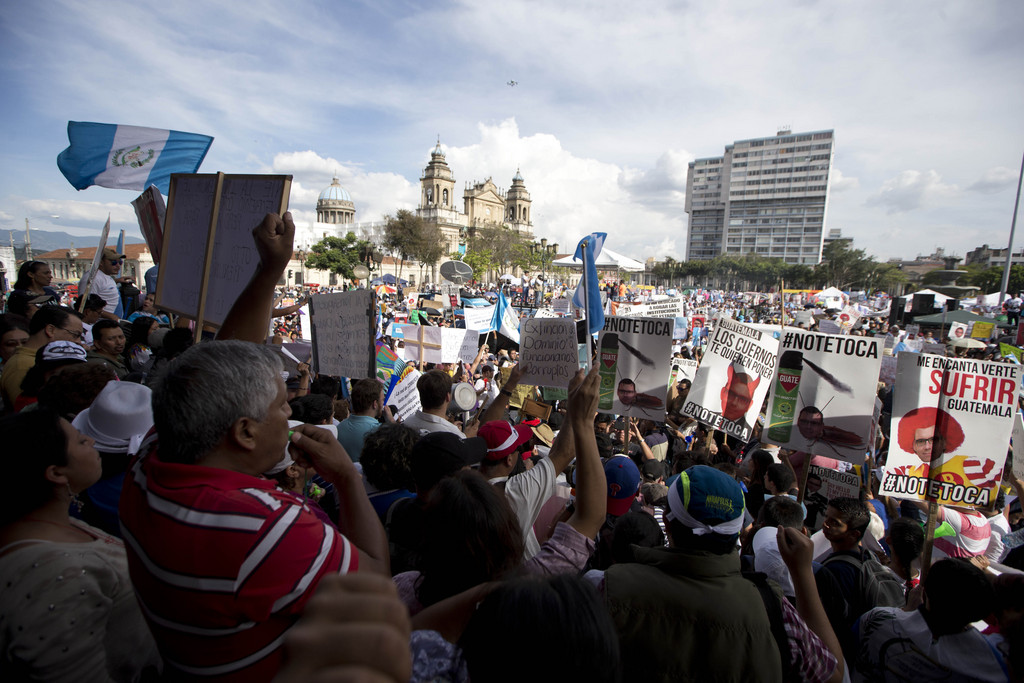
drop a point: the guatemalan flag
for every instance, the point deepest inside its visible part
(129, 157)
(505, 320)
(587, 251)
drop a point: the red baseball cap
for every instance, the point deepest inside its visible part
(503, 437)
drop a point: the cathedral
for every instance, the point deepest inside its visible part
(484, 204)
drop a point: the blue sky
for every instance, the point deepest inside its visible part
(612, 100)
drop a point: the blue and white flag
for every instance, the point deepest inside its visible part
(587, 251)
(129, 157)
(505, 320)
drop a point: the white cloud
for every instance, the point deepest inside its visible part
(994, 180)
(840, 183)
(911, 190)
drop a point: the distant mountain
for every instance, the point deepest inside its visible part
(45, 240)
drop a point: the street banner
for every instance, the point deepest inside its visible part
(733, 378)
(957, 330)
(823, 394)
(343, 326)
(634, 356)
(547, 351)
(422, 342)
(665, 308)
(950, 428)
(824, 484)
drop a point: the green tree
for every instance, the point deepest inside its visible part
(338, 254)
(430, 247)
(842, 266)
(403, 236)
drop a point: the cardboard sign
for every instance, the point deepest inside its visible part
(950, 427)
(982, 330)
(479, 318)
(561, 306)
(405, 397)
(208, 253)
(422, 342)
(733, 378)
(823, 394)
(343, 326)
(151, 211)
(957, 330)
(522, 391)
(634, 360)
(548, 353)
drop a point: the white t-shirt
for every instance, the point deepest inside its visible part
(526, 494)
(104, 286)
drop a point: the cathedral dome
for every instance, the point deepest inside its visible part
(336, 193)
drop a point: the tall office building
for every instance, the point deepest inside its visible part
(767, 196)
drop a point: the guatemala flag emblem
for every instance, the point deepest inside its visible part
(129, 157)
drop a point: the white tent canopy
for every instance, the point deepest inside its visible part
(608, 260)
(940, 298)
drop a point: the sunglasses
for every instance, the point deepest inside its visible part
(115, 261)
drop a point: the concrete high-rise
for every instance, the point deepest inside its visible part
(766, 196)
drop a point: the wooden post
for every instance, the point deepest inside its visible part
(208, 258)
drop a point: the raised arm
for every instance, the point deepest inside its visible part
(497, 407)
(250, 314)
(591, 485)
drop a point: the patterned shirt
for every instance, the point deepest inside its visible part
(222, 563)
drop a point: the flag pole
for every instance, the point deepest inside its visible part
(586, 302)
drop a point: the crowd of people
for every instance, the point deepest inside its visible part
(195, 511)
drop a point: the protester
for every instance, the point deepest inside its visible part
(108, 343)
(49, 324)
(367, 405)
(140, 352)
(105, 282)
(34, 278)
(67, 609)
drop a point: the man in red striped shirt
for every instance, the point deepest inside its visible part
(223, 561)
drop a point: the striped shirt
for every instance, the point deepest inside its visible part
(971, 533)
(222, 564)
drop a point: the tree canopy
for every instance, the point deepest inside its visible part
(338, 254)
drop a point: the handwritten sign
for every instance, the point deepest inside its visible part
(451, 345)
(548, 351)
(479, 318)
(343, 330)
(208, 253)
(405, 397)
(470, 345)
(422, 342)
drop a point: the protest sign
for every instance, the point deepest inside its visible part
(479, 318)
(682, 368)
(982, 330)
(697, 321)
(826, 326)
(83, 292)
(1017, 445)
(957, 330)
(422, 342)
(561, 306)
(552, 394)
(665, 308)
(823, 394)
(634, 361)
(451, 345)
(545, 313)
(931, 347)
(343, 332)
(151, 211)
(521, 392)
(887, 371)
(305, 324)
(913, 330)
(848, 318)
(208, 253)
(950, 427)
(547, 350)
(405, 397)
(470, 345)
(733, 378)
(824, 484)
(450, 294)
(1007, 350)
(411, 298)
(681, 329)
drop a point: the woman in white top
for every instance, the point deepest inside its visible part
(67, 608)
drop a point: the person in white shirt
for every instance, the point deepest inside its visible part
(435, 390)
